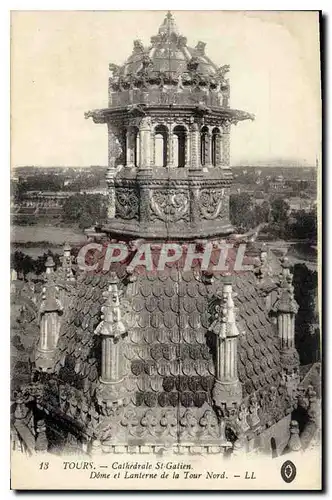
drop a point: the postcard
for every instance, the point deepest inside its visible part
(165, 250)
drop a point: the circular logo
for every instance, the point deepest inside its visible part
(288, 471)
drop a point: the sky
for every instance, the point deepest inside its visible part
(59, 70)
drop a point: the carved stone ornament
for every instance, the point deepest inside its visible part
(111, 398)
(227, 394)
(114, 69)
(127, 203)
(253, 411)
(222, 72)
(211, 203)
(169, 205)
(242, 418)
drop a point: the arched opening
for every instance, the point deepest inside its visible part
(160, 146)
(179, 146)
(204, 145)
(214, 145)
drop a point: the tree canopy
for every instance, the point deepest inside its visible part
(85, 209)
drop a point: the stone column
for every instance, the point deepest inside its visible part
(208, 145)
(113, 153)
(114, 148)
(145, 143)
(49, 312)
(226, 145)
(112, 330)
(130, 147)
(227, 391)
(218, 150)
(286, 309)
(67, 261)
(153, 149)
(170, 150)
(110, 174)
(109, 360)
(187, 143)
(194, 147)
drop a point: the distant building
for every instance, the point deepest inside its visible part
(100, 190)
(278, 183)
(297, 203)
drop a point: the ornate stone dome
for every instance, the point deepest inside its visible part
(166, 64)
(169, 54)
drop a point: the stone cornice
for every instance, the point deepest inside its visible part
(224, 115)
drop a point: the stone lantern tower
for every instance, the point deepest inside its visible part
(169, 141)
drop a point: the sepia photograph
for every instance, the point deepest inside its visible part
(165, 259)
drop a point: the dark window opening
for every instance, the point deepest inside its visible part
(204, 145)
(179, 143)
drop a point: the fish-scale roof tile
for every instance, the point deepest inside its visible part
(169, 340)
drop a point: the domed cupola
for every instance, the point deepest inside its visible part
(168, 141)
(168, 64)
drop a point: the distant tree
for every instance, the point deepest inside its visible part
(22, 263)
(262, 212)
(17, 190)
(242, 214)
(280, 210)
(85, 209)
(40, 182)
(305, 226)
(307, 337)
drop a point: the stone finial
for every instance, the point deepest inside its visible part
(67, 261)
(227, 390)
(50, 300)
(242, 418)
(294, 443)
(200, 48)
(66, 249)
(313, 406)
(265, 267)
(285, 264)
(168, 26)
(138, 47)
(50, 312)
(224, 324)
(49, 264)
(21, 409)
(286, 302)
(111, 325)
(253, 411)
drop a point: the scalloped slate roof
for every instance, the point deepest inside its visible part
(169, 350)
